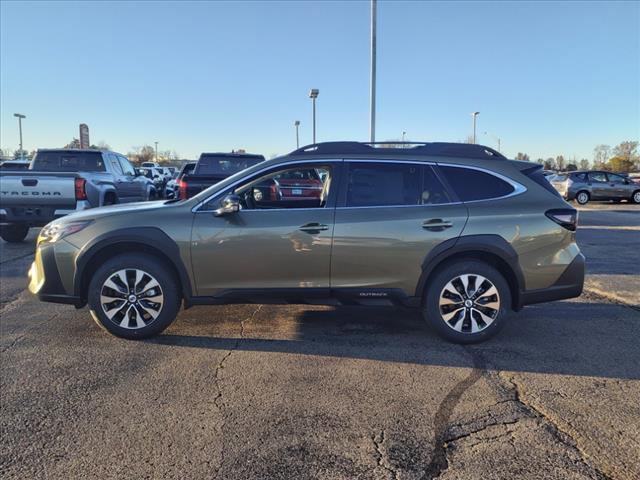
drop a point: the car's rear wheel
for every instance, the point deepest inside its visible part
(134, 296)
(582, 197)
(635, 198)
(14, 233)
(467, 301)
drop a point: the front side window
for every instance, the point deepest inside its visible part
(616, 178)
(304, 186)
(127, 168)
(470, 184)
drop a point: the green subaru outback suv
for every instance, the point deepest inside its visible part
(455, 230)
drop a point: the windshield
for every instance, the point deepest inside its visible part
(225, 164)
(68, 162)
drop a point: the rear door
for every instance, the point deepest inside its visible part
(390, 215)
(600, 188)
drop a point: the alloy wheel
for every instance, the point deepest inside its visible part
(583, 198)
(469, 303)
(636, 197)
(131, 298)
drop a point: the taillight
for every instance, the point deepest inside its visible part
(81, 192)
(565, 217)
(182, 185)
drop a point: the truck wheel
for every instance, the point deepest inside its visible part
(134, 296)
(467, 302)
(14, 233)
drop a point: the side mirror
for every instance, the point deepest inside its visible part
(229, 204)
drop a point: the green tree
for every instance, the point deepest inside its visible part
(550, 164)
(620, 164)
(572, 167)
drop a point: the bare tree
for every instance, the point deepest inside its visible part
(522, 156)
(560, 163)
(601, 154)
(584, 164)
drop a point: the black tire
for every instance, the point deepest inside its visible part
(154, 268)
(14, 233)
(433, 312)
(583, 197)
(109, 199)
(635, 197)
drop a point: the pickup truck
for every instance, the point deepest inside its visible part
(62, 181)
(212, 168)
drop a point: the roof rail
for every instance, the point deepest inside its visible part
(401, 148)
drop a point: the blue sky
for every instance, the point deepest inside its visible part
(548, 77)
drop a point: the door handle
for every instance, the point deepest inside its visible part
(314, 227)
(436, 224)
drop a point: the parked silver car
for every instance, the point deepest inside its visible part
(595, 185)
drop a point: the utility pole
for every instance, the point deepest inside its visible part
(156, 151)
(313, 94)
(20, 117)
(474, 115)
(372, 93)
(297, 125)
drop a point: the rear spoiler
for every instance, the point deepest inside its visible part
(526, 167)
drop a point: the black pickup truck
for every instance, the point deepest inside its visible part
(212, 168)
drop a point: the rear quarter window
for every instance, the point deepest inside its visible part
(470, 184)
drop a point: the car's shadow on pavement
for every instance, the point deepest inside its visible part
(566, 338)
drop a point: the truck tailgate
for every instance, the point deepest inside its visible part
(44, 188)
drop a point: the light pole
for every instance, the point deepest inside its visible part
(372, 94)
(474, 115)
(297, 125)
(313, 94)
(496, 137)
(403, 135)
(20, 117)
(156, 151)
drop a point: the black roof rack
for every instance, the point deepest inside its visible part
(401, 148)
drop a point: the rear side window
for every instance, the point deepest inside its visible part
(225, 164)
(68, 162)
(393, 184)
(470, 185)
(579, 177)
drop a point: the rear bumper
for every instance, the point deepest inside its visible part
(569, 285)
(39, 215)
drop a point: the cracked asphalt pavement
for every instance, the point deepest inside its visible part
(296, 392)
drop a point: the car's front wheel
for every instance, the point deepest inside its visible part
(134, 296)
(467, 301)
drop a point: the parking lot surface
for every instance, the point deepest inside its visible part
(265, 391)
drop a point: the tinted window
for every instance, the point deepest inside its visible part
(616, 178)
(597, 177)
(472, 185)
(68, 162)
(380, 184)
(579, 177)
(115, 165)
(225, 165)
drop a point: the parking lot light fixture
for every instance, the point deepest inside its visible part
(313, 94)
(156, 151)
(297, 125)
(20, 116)
(474, 115)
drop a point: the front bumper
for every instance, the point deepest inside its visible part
(45, 281)
(569, 285)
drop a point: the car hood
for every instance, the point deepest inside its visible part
(101, 212)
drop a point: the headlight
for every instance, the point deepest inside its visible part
(55, 231)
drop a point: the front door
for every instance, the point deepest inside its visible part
(619, 185)
(389, 217)
(280, 239)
